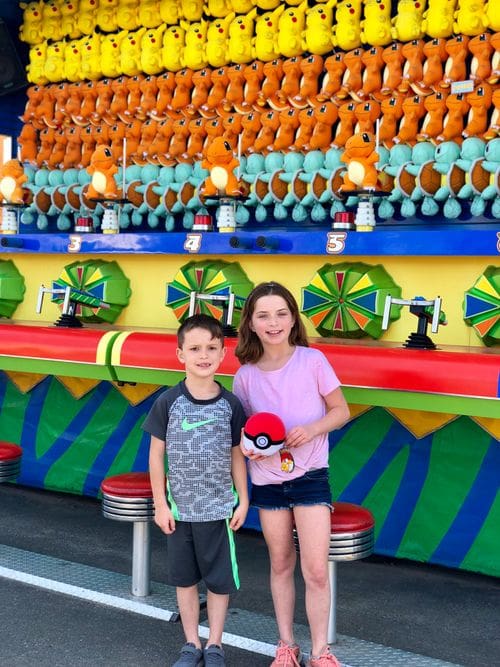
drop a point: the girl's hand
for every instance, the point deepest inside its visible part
(249, 454)
(299, 435)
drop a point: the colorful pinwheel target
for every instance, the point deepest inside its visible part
(12, 288)
(481, 306)
(208, 278)
(99, 289)
(347, 300)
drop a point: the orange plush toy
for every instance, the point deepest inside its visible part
(12, 179)
(413, 70)
(265, 140)
(433, 70)
(481, 49)
(456, 65)
(360, 158)
(250, 122)
(285, 135)
(435, 106)
(391, 112)
(413, 112)
(332, 79)
(102, 168)
(326, 115)
(220, 162)
(393, 71)
(480, 101)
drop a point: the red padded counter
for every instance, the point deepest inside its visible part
(10, 461)
(56, 351)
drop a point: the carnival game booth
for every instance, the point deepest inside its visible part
(112, 235)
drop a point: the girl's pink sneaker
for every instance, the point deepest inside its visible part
(287, 656)
(326, 659)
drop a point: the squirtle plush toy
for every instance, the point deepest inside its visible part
(264, 434)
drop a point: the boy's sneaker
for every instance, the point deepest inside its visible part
(287, 656)
(190, 656)
(214, 656)
(326, 659)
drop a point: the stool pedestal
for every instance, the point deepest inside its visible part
(129, 497)
(351, 538)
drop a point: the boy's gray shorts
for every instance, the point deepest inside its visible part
(203, 551)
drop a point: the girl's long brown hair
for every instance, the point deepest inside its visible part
(249, 348)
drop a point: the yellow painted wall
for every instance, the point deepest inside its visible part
(448, 277)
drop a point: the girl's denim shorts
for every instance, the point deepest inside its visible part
(312, 488)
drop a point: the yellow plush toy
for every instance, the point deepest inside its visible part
(194, 56)
(241, 35)
(170, 11)
(174, 41)
(318, 30)
(151, 50)
(130, 52)
(218, 8)
(376, 25)
(471, 18)
(347, 25)
(106, 15)
(291, 27)
(149, 13)
(266, 35)
(51, 20)
(217, 41)
(91, 57)
(36, 67)
(69, 20)
(407, 24)
(87, 16)
(493, 15)
(54, 62)
(191, 10)
(30, 30)
(110, 53)
(438, 19)
(127, 14)
(72, 60)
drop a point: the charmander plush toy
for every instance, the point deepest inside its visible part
(480, 100)
(360, 158)
(456, 64)
(435, 106)
(220, 162)
(481, 49)
(102, 169)
(392, 76)
(326, 115)
(12, 179)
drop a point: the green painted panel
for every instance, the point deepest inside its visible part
(12, 413)
(54, 422)
(483, 554)
(356, 447)
(75, 463)
(381, 496)
(456, 456)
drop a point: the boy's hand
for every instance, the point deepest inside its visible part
(164, 519)
(238, 518)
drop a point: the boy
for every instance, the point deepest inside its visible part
(199, 423)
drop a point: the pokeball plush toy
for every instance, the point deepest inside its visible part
(264, 434)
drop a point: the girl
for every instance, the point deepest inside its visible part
(283, 375)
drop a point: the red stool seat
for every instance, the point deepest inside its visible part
(10, 461)
(130, 485)
(9, 452)
(350, 518)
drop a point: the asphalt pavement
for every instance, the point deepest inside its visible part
(408, 610)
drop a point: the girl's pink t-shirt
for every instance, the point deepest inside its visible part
(295, 393)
